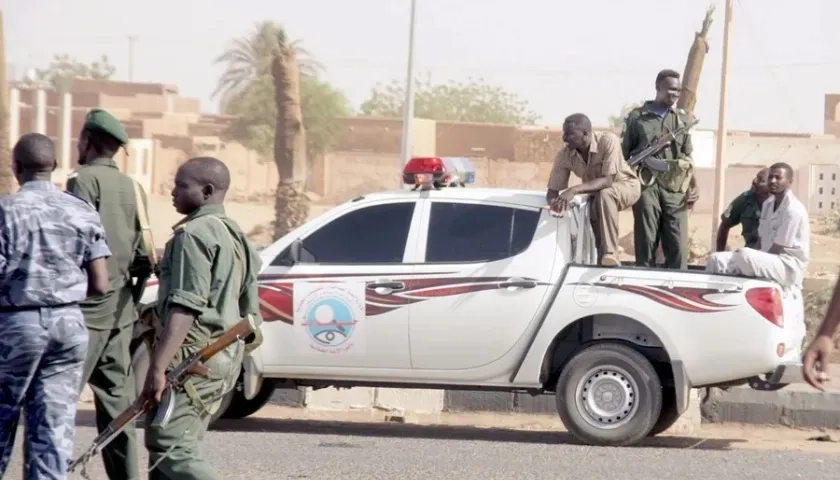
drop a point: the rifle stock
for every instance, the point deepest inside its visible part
(240, 331)
(193, 365)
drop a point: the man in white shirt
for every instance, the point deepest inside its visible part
(785, 237)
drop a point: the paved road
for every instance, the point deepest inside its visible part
(305, 449)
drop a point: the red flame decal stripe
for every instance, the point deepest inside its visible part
(685, 299)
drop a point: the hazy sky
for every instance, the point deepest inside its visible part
(561, 56)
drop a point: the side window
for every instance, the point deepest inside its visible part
(376, 234)
(465, 232)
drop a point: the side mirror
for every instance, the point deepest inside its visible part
(294, 251)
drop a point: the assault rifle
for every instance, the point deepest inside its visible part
(175, 379)
(645, 157)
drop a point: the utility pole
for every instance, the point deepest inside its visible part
(720, 160)
(408, 108)
(131, 40)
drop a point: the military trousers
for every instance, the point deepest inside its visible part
(109, 374)
(175, 450)
(42, 354)
(661, 216)
(603, 213)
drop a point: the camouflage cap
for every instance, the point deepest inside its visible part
(98, 119)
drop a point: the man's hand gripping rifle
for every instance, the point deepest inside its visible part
(645, 157)
(175, 379)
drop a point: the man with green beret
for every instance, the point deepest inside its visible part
(110, 318)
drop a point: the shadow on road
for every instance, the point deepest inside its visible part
(443, 432)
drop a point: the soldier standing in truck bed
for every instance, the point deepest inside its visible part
(661, 214)
(110, 318)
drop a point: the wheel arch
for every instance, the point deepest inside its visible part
(642, 336)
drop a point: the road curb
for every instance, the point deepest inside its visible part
(503, 403)
(792, 406)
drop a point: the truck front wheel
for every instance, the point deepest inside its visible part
(609, 394)
(241, 407)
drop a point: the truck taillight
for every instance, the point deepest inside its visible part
(768, 303)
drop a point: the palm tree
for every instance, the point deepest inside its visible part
(249, 58)
(694, 64)
(291, 206)
(8, 184)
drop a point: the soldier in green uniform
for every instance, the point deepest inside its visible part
(208, 282)
(661, 214)
(745, 210)
(110, 317)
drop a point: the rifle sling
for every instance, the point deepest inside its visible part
(146, 239)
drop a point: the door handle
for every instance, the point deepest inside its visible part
(387, 284)
(517, 283)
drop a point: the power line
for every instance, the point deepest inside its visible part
(582, 72)
(790, 104)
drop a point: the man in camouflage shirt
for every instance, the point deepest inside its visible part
(746, 211)
(53, 254)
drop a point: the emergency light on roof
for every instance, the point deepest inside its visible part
(438, 172)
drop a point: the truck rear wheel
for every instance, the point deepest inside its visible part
(609, 394)
(669, 415)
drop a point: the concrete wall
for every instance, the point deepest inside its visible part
(366, 158)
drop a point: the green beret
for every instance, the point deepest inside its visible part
(98, 119)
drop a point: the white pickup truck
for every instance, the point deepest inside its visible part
(463, 288)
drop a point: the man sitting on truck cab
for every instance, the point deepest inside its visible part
(785, 236)
(597, 159)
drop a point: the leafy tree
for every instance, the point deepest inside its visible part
(249, 58)
(256, 115)
(63, 69)
(470, 101)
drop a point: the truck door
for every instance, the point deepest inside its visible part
(336, 307)
(486, 268)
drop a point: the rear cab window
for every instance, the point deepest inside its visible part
(474, 232)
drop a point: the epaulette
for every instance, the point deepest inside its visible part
(79, 198)
(73, 174)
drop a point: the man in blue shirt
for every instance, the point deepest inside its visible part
(53, 253)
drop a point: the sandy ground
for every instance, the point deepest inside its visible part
(743, 436)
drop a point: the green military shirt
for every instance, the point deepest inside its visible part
(745, 210)
(209, 267)
(111, 192)
(643, 125)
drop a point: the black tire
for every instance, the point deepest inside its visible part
(621, 372)
(669, 415)
(241, 407)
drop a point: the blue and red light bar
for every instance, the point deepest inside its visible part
(438, 172)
